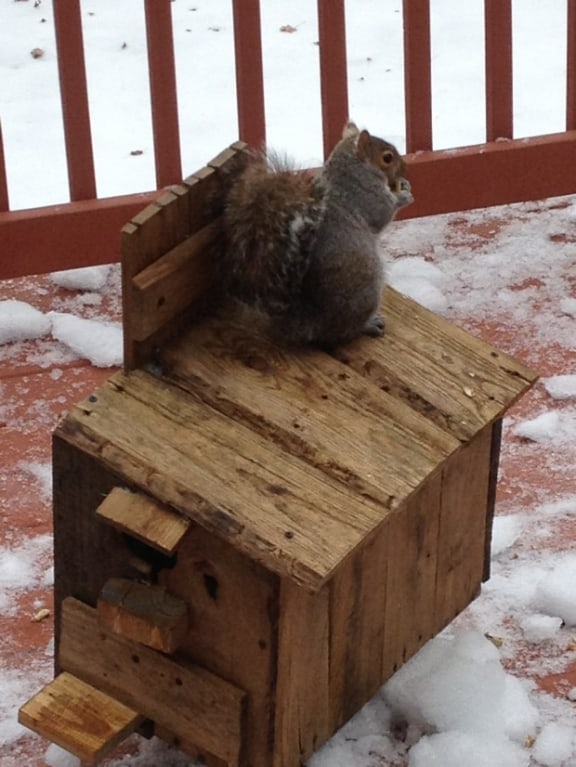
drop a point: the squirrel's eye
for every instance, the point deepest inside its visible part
(387, 158)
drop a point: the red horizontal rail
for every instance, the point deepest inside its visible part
(74, 97)
(571, 67)
(333, 70)
(67, 236)
(499, 85)
(417, 75)
(85, 233)
(249, 72)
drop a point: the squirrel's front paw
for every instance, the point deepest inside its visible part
(375, 326)
(404, 193)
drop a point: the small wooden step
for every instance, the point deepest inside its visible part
(79, 718)
(143, 518)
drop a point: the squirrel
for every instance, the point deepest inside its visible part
(305, 251)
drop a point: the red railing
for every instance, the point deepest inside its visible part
(86, 230)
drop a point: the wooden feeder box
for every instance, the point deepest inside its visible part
(249, 540)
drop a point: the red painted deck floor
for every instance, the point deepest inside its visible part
(36, 387)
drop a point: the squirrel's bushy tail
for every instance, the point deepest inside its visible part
(270, 221)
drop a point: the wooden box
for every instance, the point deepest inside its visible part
(250, 541)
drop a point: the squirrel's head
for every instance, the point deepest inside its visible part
(377, 152)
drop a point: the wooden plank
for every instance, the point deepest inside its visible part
(440, 370)
(249, 72)
(74, 99)
(279, 510)
(412, 583)
(333, 71)
(183, 275)
(358, 622)
(571, 66)
(526, 169)
(163, 92)
(4, 199)
(417, 77)
(234, 604)
(144, 613)
(302, 717)
(311, 405)
(499, 84)
(143, 517)
(79, 718)
(84, 233)
(464, 520)
(186, 698)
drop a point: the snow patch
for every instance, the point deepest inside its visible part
(20, 321)
(87, 278)
(99, 342)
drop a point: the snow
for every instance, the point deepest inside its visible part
(19, 322)
(556, 592)
(86, 278)
(555, 745)
(561, 387)
(461, 700)
(98, 342)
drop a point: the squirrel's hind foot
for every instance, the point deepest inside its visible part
(375, 326)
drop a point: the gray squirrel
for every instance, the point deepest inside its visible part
(305, 251)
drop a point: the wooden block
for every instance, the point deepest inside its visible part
(146, 614)
(79, 718)
(144, 518)
(178, 278)
(186, 699)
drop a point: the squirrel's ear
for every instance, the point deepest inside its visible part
(350, 130)
(363, 144)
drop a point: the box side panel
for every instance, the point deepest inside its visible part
(423, 567)
(233, 606)
(302, 721)
(382, 602)
(86, 551)
(465, 518)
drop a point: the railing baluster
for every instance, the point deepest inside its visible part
(417, 77)
(74, 96)
(571, 67)
(249, 73)
(499, 84)
(333, 70)
(163, 97)
(4, 200)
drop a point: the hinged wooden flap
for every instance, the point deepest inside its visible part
(144, 518)
(79, 718)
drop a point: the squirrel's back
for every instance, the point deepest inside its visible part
(270, 219)
(306, 252)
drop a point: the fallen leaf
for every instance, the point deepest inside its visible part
(288, 28)
(136, 152)
(36, 53)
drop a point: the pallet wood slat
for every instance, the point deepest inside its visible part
(269, 499)
(164, 289)
(455, 379)
(302, 717)
(144, 518)
(185, 698)
(80, 718)
(143, 613)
